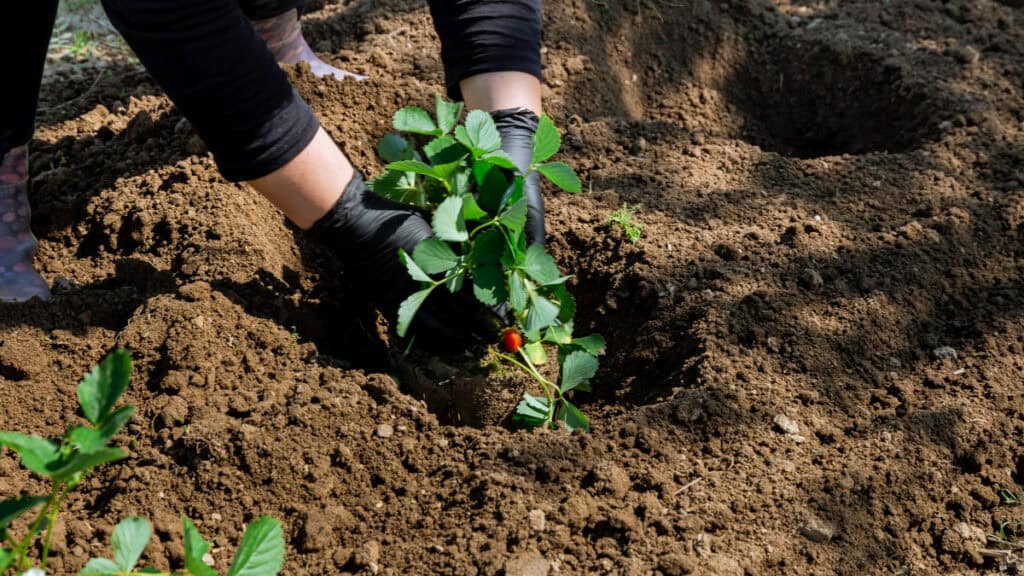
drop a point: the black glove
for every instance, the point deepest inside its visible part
(364, 231)
(517, 127)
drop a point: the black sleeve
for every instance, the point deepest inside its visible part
(262, 9)
(479, 36)
(220, 74)
(25, 30)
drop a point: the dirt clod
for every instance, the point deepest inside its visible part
(785, 424)
(537, 520)
(817, 530)
(527, 563)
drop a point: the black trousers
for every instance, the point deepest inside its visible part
(219, 73)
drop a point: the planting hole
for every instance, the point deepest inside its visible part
(810, 100)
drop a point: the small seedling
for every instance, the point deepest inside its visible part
(82, 44)
(475, 195)
(1009, 532)
(623, 218)
(66, 462)
(1010, 498)
(261, 552)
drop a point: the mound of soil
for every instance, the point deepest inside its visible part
(816, 349)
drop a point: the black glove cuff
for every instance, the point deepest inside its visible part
(517, 127)
(523, 118)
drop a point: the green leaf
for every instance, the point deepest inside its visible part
(566, 303)
(514, 217)
(577, 369)
(415, 272)
(81, 461)
(514, 193)
(516, 291)
(129, 540)
(12, 508)
(6, 557)
(434, 256)
(393, 148)
(37, 454)
(117, 419)
(415, 120)
(407, 310)
(398, 186)
(491, 188)
(261, 552)
(572, 417)
(447, 113)
(542, 312)
(535, 352)
(412, 166)
(454, 281)
(471, 210)
(501, 159)
(540, 266)
(195, 549)
(445, 171)
(463, 137)
(100, 389)
(532, 411)
(460, 181)
(560, 334)
(445, 150)
(480, 132)
(100, 566)
(488, 247)
(546, 141)
(86, 439)
(593, 344)
(448, 223)
(489, 285)
(561, 175)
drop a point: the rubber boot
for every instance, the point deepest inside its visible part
(18, 280)
(283, 36)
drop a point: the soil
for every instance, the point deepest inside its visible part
(816, 349)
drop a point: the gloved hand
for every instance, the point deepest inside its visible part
(517, 127)
(364, 231)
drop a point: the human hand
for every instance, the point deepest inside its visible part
(365, 232)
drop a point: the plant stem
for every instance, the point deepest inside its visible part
(21, 550)
(51, 520)
(481, 227)
(545, 384)
(508, 241)
(548, 386)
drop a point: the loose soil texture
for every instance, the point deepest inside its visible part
(815, 349)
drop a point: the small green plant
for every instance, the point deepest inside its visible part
(623, 218)
(82, 44)
(475, 195)
(261, 552)
(1010, 498)
(67, 461)
(1010, 532)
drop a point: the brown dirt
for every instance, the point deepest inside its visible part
(830, 193)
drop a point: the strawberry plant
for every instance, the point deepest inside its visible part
(65, 462)
(474, 192)
(261, 552)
